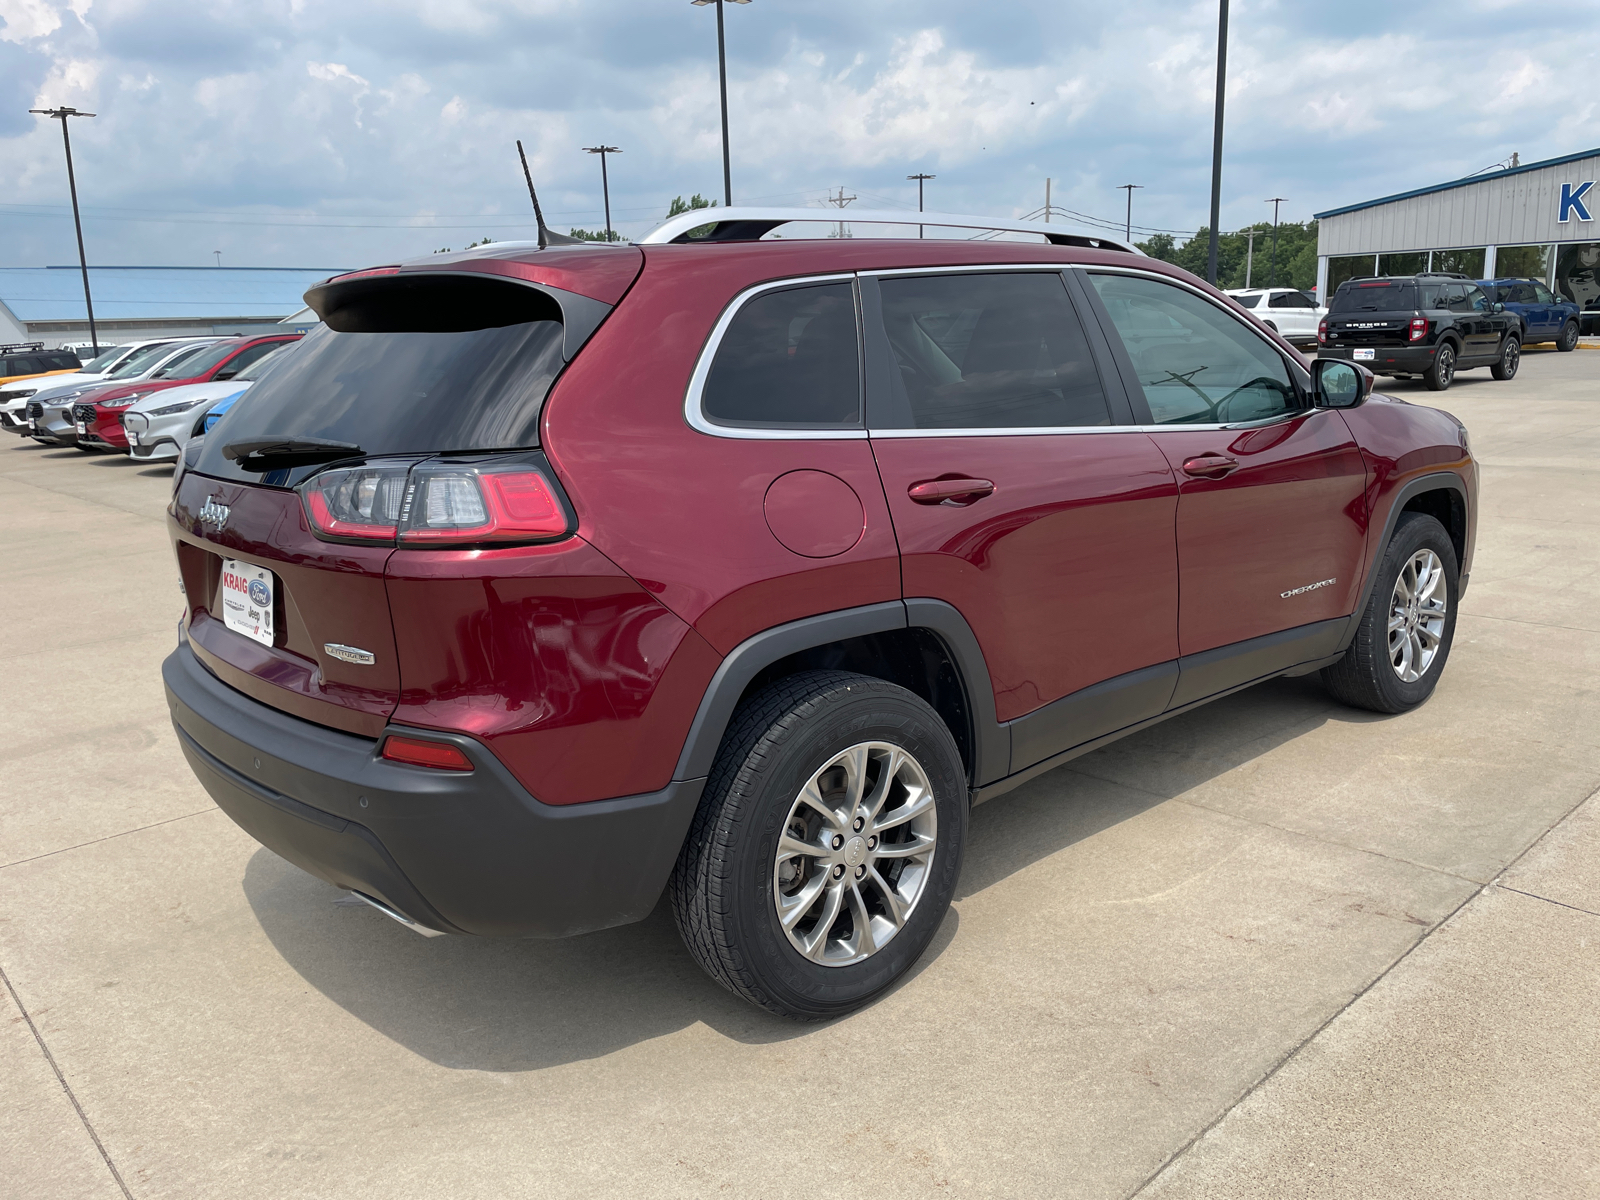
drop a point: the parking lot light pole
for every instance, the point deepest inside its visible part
(605, 183)
(919, 179)
(1127, 228)
(1275, 201)
(722, 79)
(61, 114)
(1216, 141)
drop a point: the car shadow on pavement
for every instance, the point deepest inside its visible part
(512, 1005)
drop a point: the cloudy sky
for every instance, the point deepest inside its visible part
(322, 133)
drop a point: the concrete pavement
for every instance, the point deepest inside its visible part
(1274, 947)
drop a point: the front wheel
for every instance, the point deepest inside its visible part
(1442, 370)
(1510, 359)
(1569, 337)
(826, 847)
(1405, 632)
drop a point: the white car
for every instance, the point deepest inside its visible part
(1290, 311)
(159, 425)
(46, 415)
(14, 397)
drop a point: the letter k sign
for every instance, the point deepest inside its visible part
(1572, 201)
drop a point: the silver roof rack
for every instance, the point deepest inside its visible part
(749, 224)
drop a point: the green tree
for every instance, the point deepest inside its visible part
(1161, 246)
(679, 205)
(597, 235)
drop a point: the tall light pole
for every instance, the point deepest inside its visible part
(61, 114)
(1275, 201)
(920, 179)
(722, 79)
(1127, 229)
(1216, 140)
(605, 183)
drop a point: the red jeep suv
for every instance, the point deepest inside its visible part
(537, 583)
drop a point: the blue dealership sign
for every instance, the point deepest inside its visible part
(1572, 201)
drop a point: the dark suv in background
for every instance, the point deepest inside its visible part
(1427, 325)
(538, 582)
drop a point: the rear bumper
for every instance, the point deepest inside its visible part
(454, 852)
(1386, 360)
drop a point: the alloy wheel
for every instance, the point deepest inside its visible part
(1447, 365)
(1511, 358)
(1416, 616)
(855, 854)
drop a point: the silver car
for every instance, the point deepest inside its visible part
(159, 425)
(48, 415)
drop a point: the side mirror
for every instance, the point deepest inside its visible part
(1497, 307)
(225, 373)
(1339, 384)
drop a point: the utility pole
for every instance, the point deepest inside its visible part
(1249, 255)
(218, 253)
(605, 183)
(1127, 229)
(722, 79)
(1047, 199)
(1275, 201)
(841, 200)
(61, 114)
(1216, 140)
(919, 179)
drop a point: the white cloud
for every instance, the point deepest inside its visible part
(21, 20)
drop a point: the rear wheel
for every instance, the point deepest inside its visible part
(1442, 370)
(1510, 359)
(1568, 339)
(826, 847)
(1405, 632)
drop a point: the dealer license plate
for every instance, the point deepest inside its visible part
(33, 425)
(247, 599)
(1366, 354)
(82, 428)
(133, 439)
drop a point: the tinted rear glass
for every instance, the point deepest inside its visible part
(789, 358)
(399, 393)
(1398, 296)
(1249, 301)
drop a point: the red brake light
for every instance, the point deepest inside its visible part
(458, 505)
(1419, 328)
(1322, 331)
(441, 756)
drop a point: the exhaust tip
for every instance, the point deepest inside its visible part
(401, 917)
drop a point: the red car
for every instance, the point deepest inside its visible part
(540, 582)
(98, 419)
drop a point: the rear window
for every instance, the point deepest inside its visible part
(377, 377)
(1378, 296)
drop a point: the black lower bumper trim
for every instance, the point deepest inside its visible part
(457, 852)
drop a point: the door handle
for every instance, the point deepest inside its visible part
(1209, 466)
(956, 491)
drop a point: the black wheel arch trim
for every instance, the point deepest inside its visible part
(990, 742)
(1432, 482)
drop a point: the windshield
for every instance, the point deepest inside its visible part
(253, 372)
(186, 366)
(400, 393)
(141, 360)
(95, 366)
(1381, 295)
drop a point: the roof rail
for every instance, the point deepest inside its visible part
(22, 348)
(749, 224)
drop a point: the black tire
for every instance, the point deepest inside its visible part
(1442, 370)
(1366, 677)
(1505, 367)
(722, 888)
(1568, 338)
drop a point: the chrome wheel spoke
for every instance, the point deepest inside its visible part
(816, 945)
(792, 909)
(898, 909)
(910, 810)
(909, 849)
(862, 919)
(885, 784)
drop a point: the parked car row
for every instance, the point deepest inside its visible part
(145, 399)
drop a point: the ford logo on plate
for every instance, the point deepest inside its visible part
(259, 593)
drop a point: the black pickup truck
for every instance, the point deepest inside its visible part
(1427, 325)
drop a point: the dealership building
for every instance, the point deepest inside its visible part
(45, 304)
(1531, 221)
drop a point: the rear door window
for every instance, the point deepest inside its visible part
(789, 359)
(981, 351)
(1197, 364)
(1291, 300)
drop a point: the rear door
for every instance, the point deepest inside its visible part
(1271, 520)
(1058, 548)
(1295, 315)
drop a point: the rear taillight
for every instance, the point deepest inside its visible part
(1322, 333)
(357, 504)
(441, 756)
(438, 502)
(1419, 328)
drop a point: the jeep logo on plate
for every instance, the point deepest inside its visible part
(259, 594)
(212, 513)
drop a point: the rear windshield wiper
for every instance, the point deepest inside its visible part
(271, 453)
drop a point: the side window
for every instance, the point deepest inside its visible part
(789, 359)
(1542, 294)
(1476, 301)
(1519, 293)
(245, 357)
(63, 362)
(1001, 351)
(1196, 364)
(9, 366)
(1249, 301)
(1291, 300)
